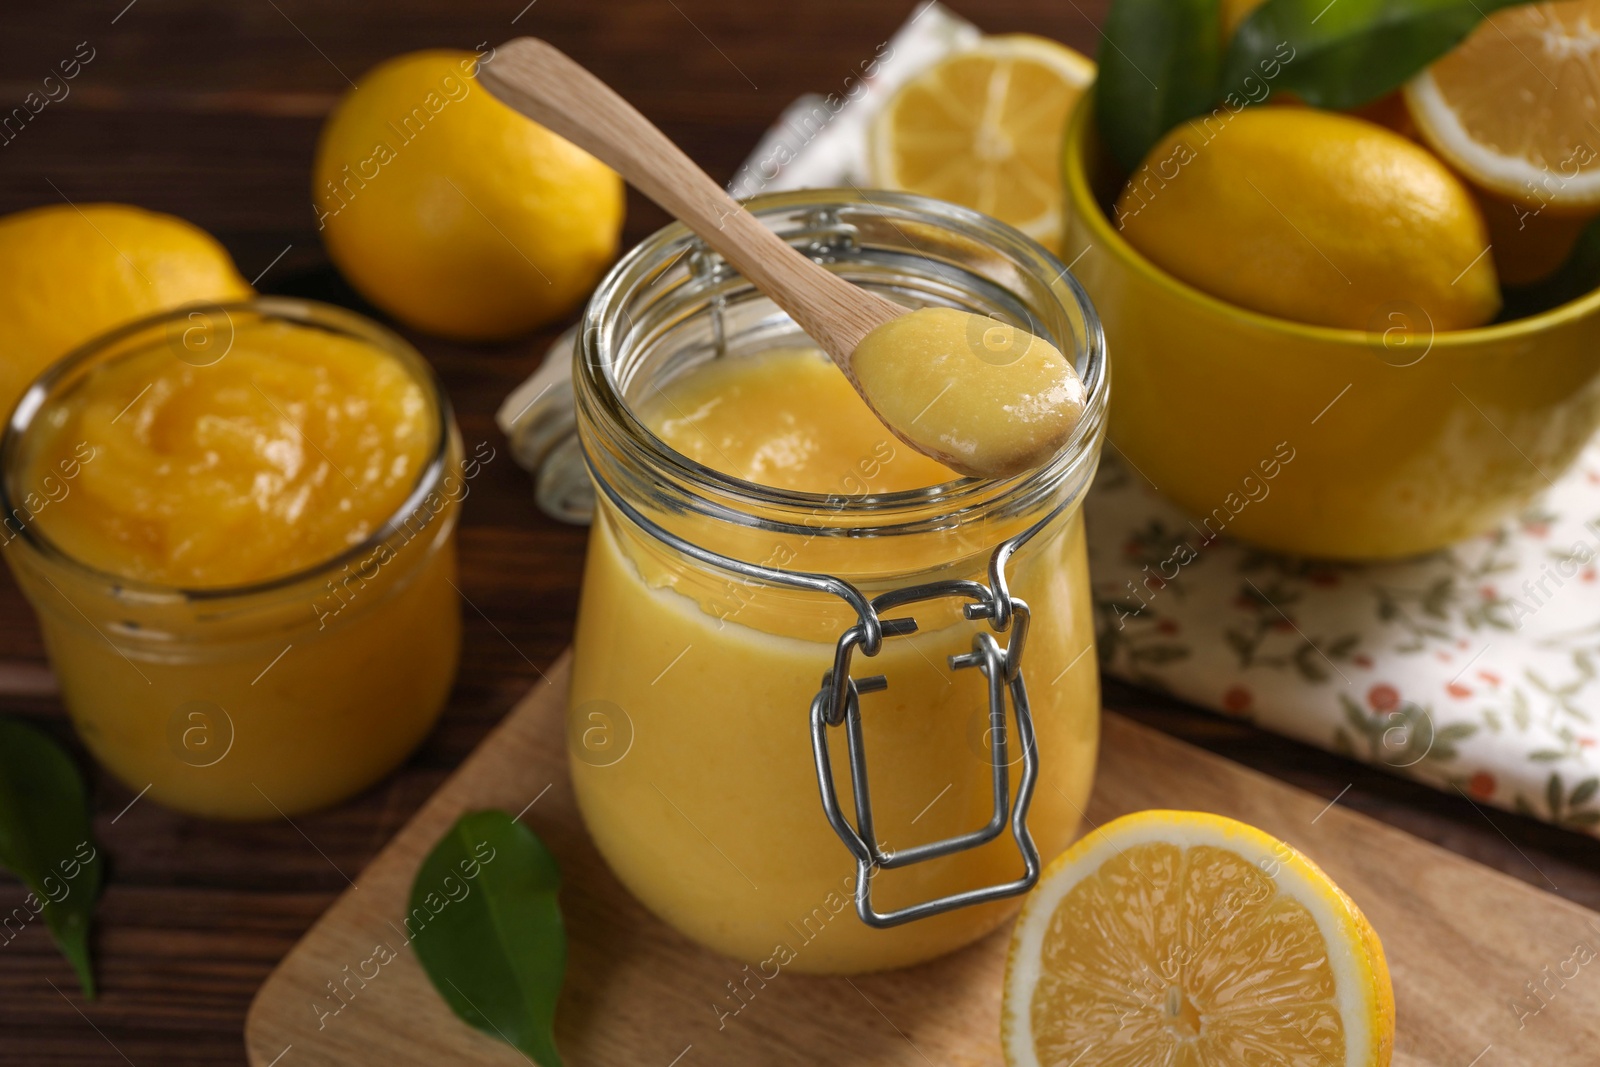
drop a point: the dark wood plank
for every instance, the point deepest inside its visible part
(211, 111)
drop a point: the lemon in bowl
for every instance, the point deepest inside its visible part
(1513, 106)
(1512, 110)
(1366, 440)
(453, 213)
(1312, 216)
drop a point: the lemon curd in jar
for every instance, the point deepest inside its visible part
(688, 722)
(236, 527)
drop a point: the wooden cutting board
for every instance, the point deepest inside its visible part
(1462, 941)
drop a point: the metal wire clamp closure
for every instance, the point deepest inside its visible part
(838, 703)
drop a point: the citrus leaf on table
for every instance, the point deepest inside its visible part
(487, 929)
(1350, 52)
(45, 840)
(1158, 61)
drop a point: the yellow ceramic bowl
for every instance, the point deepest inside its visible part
(1325, 442)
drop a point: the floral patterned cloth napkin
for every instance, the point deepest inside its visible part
(1476, 670)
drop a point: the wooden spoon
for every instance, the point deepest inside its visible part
(544, 84)
(1005, 414)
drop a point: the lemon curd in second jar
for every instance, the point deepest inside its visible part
(688, 723)
(293, 446)
(199, 645)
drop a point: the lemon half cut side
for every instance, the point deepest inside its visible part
(983, 128)
(1185, 939)
(1515, 107)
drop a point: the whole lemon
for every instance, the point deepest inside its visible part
(70, 272)
(1312, 216)
(454, 213)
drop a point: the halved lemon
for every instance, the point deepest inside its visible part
(1184, 939)
(983, 128)
(1515, 107)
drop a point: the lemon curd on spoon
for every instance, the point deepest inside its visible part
(984, 397)
(245, 585)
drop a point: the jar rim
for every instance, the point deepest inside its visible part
(595, 367)
(296, 310)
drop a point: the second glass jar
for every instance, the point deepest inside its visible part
(249, 701)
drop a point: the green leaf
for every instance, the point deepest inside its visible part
(1583, 792)
(487, 928)
(1579, 275)
(1158, 66)
(1552, 795)
(45, 839)
(1349, 52)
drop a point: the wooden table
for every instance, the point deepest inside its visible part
(210, 111)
